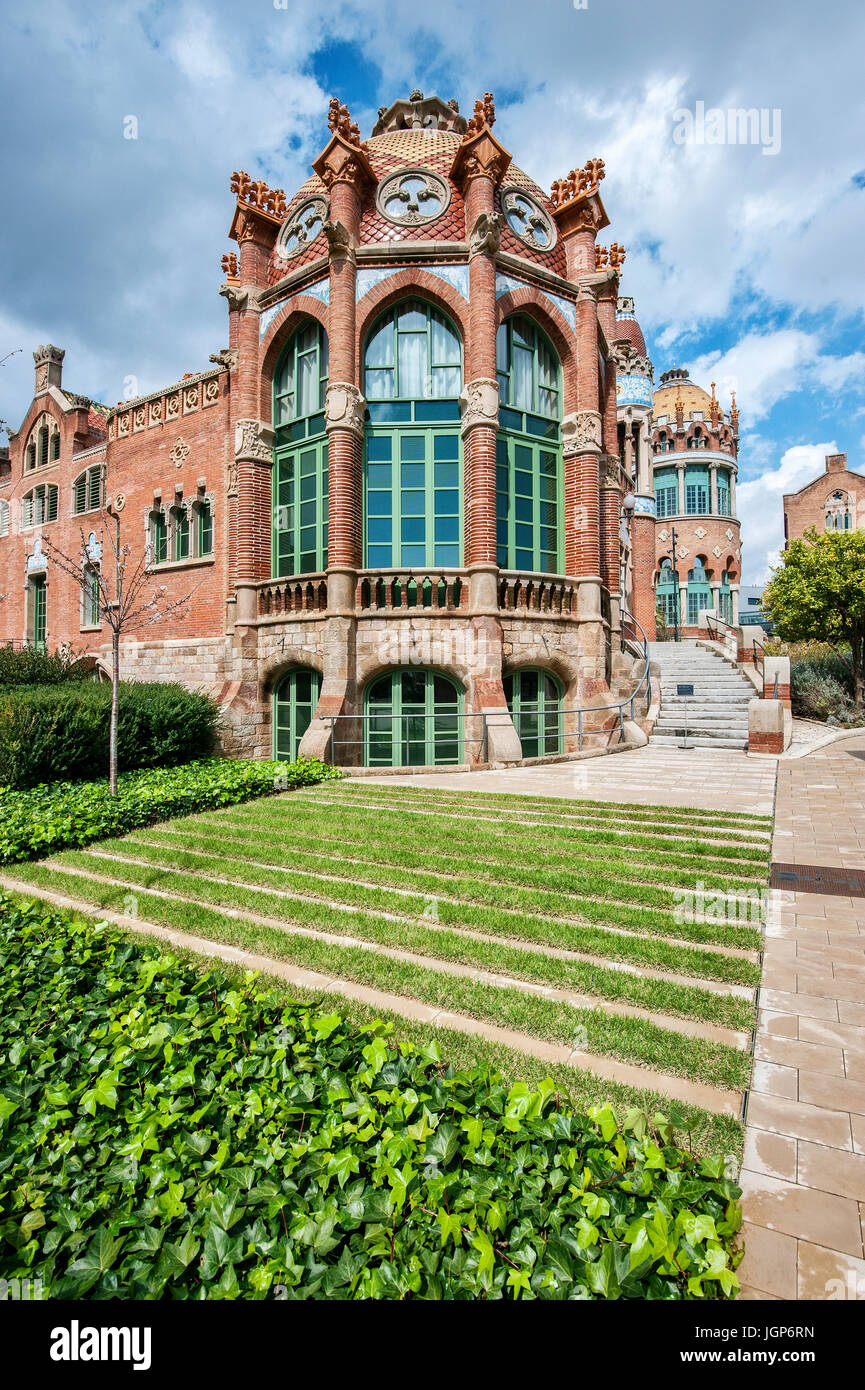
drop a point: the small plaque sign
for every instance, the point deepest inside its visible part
(684, 689)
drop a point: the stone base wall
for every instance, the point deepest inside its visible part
(241, 669)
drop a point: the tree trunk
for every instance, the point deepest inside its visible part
(115, 693)
(856, 662)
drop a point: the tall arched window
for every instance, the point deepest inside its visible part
(535, 698)
(699, 591)
(294, 702)
(413, 467)
(300, 471)
(529, 501)
(414, 719)
(667, 596)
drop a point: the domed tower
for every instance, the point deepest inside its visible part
(425, 486)
(634, 384)
(694, 465)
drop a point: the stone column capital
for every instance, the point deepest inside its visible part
(479, 404)
(581, 432)
(253, 439)
(344, 408)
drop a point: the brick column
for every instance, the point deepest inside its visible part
(643, 563)
(610, 511)
(251, 476)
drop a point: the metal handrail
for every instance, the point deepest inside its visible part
(483, 740)
(713, 621)
(759, 664)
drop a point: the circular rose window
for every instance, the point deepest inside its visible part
(528, 220)
(301, 228)
(412, 197)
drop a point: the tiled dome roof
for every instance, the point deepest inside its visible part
(693, 397)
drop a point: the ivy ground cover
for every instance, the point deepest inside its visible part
(167, 1131)
(565, 923)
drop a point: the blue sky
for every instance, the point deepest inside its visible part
(746, 267)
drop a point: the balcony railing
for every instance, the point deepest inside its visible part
(537, 593)
(389, 591)
(305, 594)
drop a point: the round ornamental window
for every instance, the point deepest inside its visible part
(301, 228)
(411, 197)
(528, 220)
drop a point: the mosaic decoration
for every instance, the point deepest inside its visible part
(505, 283)
(320, 291)
(633, 390)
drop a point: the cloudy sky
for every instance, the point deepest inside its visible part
(746, 266)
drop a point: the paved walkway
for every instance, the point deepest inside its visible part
(804, 1168)
(707, 779)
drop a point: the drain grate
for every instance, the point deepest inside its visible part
(818, 878)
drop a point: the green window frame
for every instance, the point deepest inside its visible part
(529, 471)
(294, 700)
(414, 719)
(159, 538)
(699, 593)
(412, 502)
(87, 490)
(39, 505)
(181, 534)
(724, 491)
(413, 366)
(696, 492)
(725, 598)
(204, 529)
(300, 461)
(40, 618)
(534, 698)
(43, 446)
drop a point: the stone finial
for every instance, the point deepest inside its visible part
(48, 361)
(229, 265)
(602, 257)
(484, 115)
(340, 123)
(583, 180)
(617, 255)
(734, 415)
(256, 194)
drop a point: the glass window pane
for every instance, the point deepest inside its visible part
(445, 381)
(446, 446)
(412, 349)
(413, 555)
(413, 503)
(379, 556)
(412, 446)
(412, 317)
(379, 385)
(414, 687)
(502, 348)
(379, 529)
(378, 447)
(379, 503)
(413, 474)
(379, 347)
(307, 384)
(522, 379)
(447, 475)
(445, 343)
(413, 529)
(447, 528)
(446, 501)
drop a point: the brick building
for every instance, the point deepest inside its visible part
(835, 501)
(394, 501)
(679, 453)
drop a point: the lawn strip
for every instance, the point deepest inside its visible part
(629, 1039)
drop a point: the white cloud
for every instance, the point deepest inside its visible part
(760, 505)
(764, 368)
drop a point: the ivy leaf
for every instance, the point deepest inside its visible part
(99, 1256)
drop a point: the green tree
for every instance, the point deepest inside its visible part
(818, 593)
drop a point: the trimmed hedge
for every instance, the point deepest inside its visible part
(49, 733)
(53, 817)
(167, 1133)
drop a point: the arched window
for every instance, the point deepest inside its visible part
(300, 471)
(90, 597)
(413, 465)
(725, 598)
(534, 697)
(294, 702)
(179, 532)
(699, 591)
(203, 528)
(43, 444)
(37, 612)
(529, 500)
(4, 517)
(667, 596)
(87, 490)
(39, 505)
(414, 719)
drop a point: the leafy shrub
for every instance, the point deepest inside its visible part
(168, 1133)
(53, 817)
(28, 666)
(61, 731)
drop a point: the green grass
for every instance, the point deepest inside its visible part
(627, 1039)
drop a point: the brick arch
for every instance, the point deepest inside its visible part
(566, 671)
(732, 567)
(313, 661)
(291, 316)
(535, 305)
(408, 282)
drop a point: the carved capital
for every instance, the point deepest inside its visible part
(581, 432)
(486, 234)
(253, 439)
(479, 404)
(344, 408)
(609, 472)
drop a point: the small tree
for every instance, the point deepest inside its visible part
(818, 593)
(127, 602)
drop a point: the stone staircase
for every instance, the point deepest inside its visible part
(716, 715)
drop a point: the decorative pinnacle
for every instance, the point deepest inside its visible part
(583, 180)
(340, 122)
(484, 115)
(257, 194)
(229, 265)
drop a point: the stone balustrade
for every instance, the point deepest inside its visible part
(388, 591)
(305, 593)
(523, 592)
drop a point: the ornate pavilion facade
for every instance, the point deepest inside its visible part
(393, 505)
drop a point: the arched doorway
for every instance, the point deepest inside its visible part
(534, 699)
(294, 700)
(414, 719)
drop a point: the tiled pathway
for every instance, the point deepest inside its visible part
(804, 1168)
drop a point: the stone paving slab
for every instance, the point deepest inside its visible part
(804, 1166)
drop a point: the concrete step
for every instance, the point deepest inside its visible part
(666, 740)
